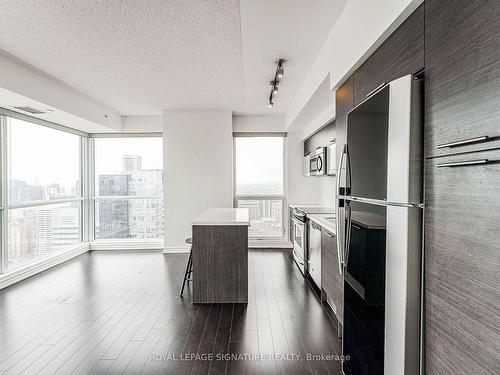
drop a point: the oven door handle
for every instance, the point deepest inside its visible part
(298, 257)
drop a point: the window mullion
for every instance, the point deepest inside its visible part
(4, 194)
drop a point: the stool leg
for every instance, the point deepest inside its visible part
(189, 277)
(188, 270)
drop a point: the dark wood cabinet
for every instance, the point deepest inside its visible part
(321, 138)
(462, 204)
(344, 102)
(401, 54)
(462, 63)
(332, 281)
(462, 266)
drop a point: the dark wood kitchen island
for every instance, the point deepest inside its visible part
(220, 256)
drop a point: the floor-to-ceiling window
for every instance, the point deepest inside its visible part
(61, 188)
(128, 188)
(259, 173)
(43, 191)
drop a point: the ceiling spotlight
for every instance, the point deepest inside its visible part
(274, 85)
(280, 72)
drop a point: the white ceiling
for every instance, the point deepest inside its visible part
(140, 57)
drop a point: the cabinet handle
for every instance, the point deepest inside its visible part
(464, 142)
(376, 89)
(463, 163)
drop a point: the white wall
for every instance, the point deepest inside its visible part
(258, 123)
(145, 124)
(359, 30)
(24, 85)
(301, 190)
(198, 165)
(326, 191)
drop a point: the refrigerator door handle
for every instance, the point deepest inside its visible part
(347, 172)
(337, 215)
(341, 162)
(347, 234)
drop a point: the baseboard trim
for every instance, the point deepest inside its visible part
(176, 250)
(122, 245)
(10, 278)
(269, 244)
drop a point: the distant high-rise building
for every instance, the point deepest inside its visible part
(131, 218)
(131, 163)
(113, 214)
(20, 191)
(40, 230)
(54, 191)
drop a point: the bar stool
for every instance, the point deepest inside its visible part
(189, 267)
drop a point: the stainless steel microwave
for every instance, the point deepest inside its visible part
(317, 162)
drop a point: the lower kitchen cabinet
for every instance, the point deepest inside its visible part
(462, 264)
(331, 280)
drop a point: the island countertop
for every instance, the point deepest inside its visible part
(223, 216)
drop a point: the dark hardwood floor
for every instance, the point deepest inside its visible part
(118, 312)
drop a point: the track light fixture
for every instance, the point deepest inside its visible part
(280, 72)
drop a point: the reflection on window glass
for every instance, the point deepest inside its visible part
(129, 167)
(259, 165)
(34, 232)
(44, 163)
(266, 217)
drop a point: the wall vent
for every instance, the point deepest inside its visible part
(31, 110)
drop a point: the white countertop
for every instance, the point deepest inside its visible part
(321, 220)
(223, 216)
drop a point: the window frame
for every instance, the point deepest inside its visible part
(283, 197)
(5, 205)
(93, 198)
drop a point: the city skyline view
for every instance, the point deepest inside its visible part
(130, 167)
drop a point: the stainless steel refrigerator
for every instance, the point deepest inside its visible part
(379, 201)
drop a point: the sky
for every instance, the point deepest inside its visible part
(259, 160)
(42, 155)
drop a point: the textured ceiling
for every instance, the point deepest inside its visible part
(140, 57)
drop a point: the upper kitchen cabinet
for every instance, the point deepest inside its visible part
(321, 138)
(401, 54)
(462, 64)
(344, 102)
